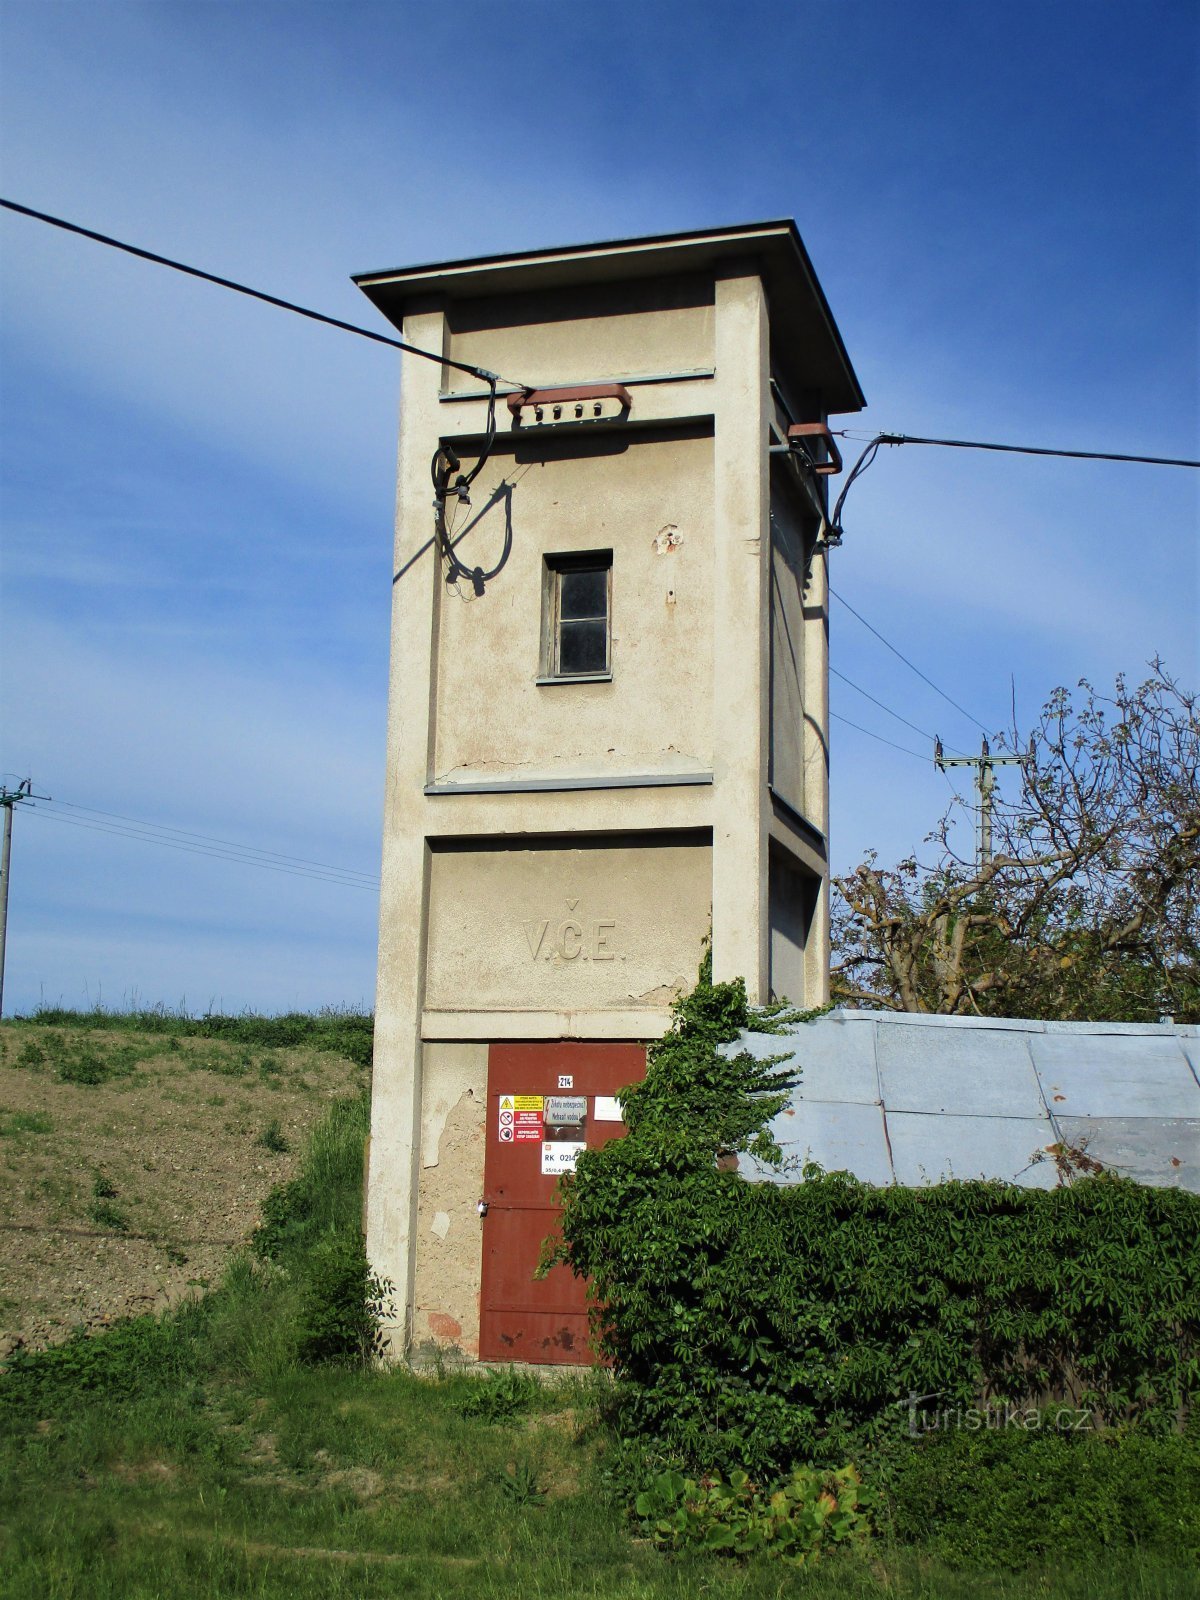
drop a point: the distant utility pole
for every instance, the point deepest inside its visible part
(984, 784)
(9, 799)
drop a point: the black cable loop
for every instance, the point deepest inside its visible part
(860, 466)
(444, 464)
(833, 525)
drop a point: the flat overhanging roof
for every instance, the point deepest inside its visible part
(804, 336)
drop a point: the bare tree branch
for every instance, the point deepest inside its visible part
(1090, 905)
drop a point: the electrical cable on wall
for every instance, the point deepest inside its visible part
(443, 466)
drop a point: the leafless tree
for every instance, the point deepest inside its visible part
(1088, 907)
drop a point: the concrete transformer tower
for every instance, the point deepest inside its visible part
(607, 726)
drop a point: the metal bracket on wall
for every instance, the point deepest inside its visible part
(588, 402)
(825, 466)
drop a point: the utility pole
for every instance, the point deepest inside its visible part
(984, 784)
(9, 800)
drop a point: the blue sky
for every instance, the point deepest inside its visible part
(1001, 203)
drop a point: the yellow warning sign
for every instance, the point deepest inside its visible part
(528, 1102)
(506, 1102)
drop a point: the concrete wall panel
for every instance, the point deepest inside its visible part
(610, 925)
(648, 500)
(792, 896)
(578, 336)
(787, 650)
(446, 1280)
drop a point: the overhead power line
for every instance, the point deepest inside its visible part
(878, 736)
(145, 836)
(909, 664)
(486, 376)
(960, 798)
(258, 294)
(1023, 449)
(226, 844)
(836, 533)
(984, 764)
(867, 695)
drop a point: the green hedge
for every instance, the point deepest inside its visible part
(1010, 1498)
(755, 1326)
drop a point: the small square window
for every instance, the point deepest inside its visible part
(577, 614)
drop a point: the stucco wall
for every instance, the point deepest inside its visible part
(450, 1183)
(787, 646)
(791, 900)
(605, 924)
(581, 334)
(648, 499)
(530, 889)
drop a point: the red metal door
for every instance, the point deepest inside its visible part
(529, 1142)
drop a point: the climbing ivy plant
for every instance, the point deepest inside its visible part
(753, 1325)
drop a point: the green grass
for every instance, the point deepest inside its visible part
(345, 1031)
(15, 1123)
(326, 1196)
(272, 1138)
(100, 1046)
(108, 1216)
(346, 1483)
(193, 1455)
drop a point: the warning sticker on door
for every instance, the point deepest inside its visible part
(528, 1126)
(559, 1156)
(521, 1119)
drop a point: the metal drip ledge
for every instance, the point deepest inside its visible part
(635, 780)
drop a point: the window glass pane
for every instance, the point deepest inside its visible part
(583, 647)
(583, 593)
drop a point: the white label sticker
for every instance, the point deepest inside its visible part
(607, 1108)
(565, 1109)
(559, 1156)
(566, 1080)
